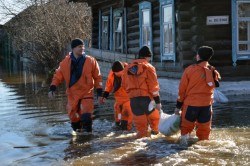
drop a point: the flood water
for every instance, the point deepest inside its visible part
(36, 131)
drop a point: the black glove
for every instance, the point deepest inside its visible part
(52, 88)
(99, 92)
(105, 94)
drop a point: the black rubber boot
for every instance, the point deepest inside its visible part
(86, 120)
(124, 125)
(76, 125)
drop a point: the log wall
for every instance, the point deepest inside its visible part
(191, 30)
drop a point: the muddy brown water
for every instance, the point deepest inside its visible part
(36, 131)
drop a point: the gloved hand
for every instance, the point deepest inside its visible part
(177, 111)
(102, 100)
(52, 90)
(99, 95)
(104, 97)
(158, 106)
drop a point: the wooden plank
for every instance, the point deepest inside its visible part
(108, 55)
(134, 50)
(156, 51)
(189, 54)
(184, 6)
(156, 33)
(184, 45)
(133, 14)
(156, 25)
(135, 35)
(219, 44)
(184, 16)
(133, 22)
(184, 25)
(134, 42)
(133, 28)
(157, 39)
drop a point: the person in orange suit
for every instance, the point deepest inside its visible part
(82, 74)
(122, 110)
(141, 84)
(195, 96)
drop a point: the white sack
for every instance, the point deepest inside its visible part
(169, 124)
(219, 96)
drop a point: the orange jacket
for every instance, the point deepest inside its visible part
(90, 78)
(120, 94)
(197, 85)
(140, 79)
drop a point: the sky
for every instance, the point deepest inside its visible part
(14, 6)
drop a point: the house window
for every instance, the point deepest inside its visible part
(105, 32)
(241, 32)
(117, 31)
(145, 19)
(145, 28)
(167, 24)
(168, 29)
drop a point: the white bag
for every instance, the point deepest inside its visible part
(219, 96)
(169, 124)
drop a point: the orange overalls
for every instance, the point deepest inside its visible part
(196, 94)
(141, 84)
(122, 110)
(80, 95)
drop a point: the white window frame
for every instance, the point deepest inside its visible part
(171, 53)
(238, 54)
(146, 7)
(146, 28)
(118, 31)
(105, 32)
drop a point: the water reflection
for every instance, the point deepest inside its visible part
(35, 130)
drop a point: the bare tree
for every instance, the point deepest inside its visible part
(43, 30)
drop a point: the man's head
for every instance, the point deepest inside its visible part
(117, 66)
(77, 46)
(145, 52)
(76, 42)
(205, 53)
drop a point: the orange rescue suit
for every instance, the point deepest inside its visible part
(195, 96)
(141, 84)
(122, 103)
(80, 95)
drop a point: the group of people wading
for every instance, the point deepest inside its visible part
(135, 86)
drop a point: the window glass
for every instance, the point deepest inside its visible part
(243, 26)
(146, 35)
(145, 27)
(167, 29)
(145, 17)
(244, 9)
(243, 47)
(118, 34)
(167, 14)
(105, 25)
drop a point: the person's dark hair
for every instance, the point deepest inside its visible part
(76, 42)
(117, 66)
(205, 53)
(145, 52)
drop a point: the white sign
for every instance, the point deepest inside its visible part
(217, 20)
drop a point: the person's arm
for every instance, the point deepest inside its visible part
(181, 92)
(52, 90)
(96, 74)
(56, 81)
(153, 86)
(108, 87)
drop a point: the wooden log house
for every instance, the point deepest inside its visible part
(173, 29)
